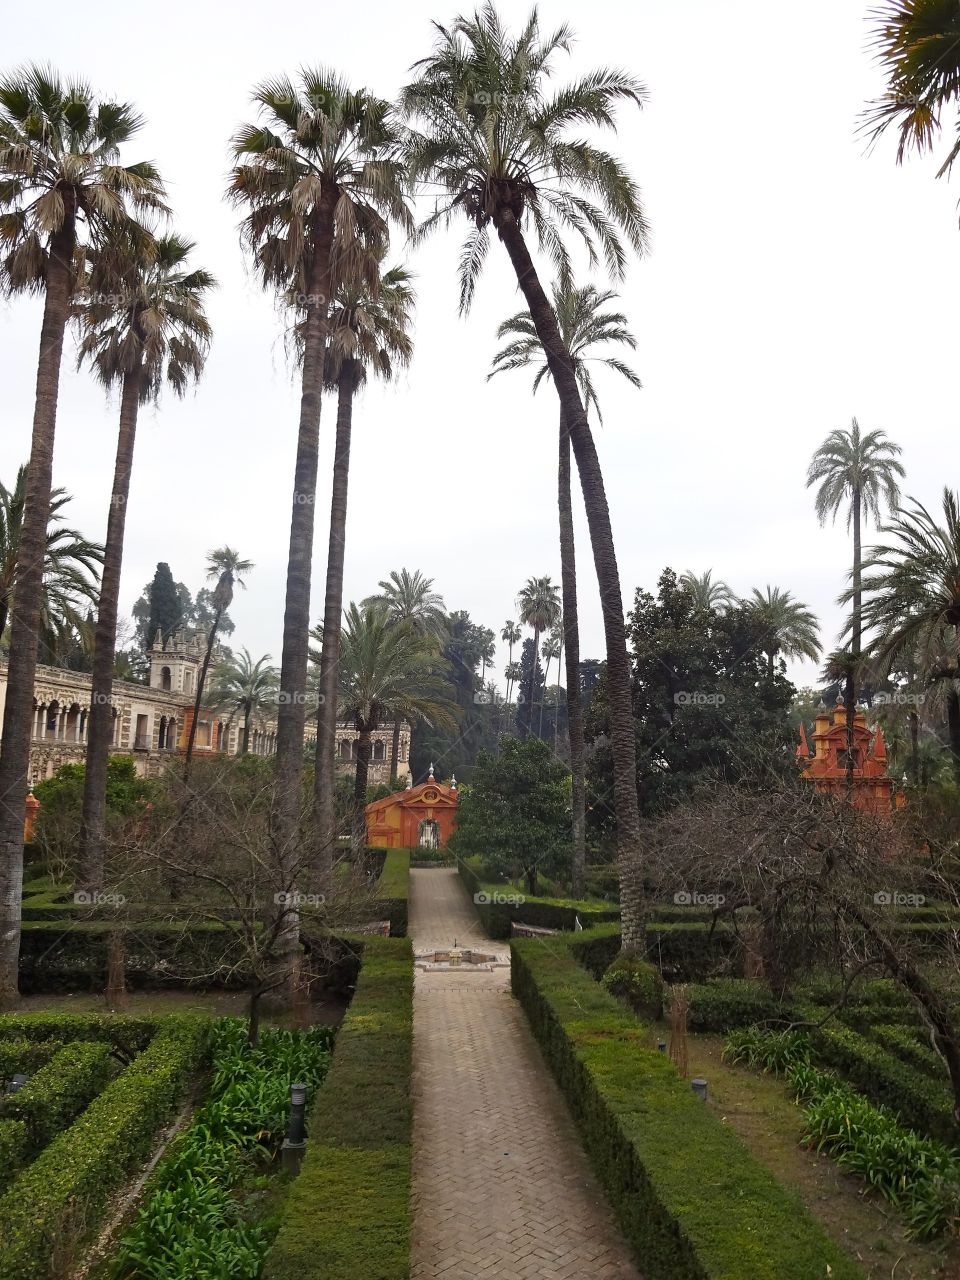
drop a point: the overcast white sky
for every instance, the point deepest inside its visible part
(794, 281)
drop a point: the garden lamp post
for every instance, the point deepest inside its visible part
(294, 1144)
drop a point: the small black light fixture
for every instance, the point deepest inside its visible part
(295, 1143)
(699, 1087)
(662, 1046)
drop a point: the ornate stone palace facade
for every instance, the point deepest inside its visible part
(826, 766)
(152, 722)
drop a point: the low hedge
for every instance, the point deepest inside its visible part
(60, 1197)
(129, 1034)
(904, 1044)
(723, 1003)
(921, 1103)
(56, 1094)
(348, 1213)
(597, 948)
(394, 890)
(690, 1198)
(25, 1055)
(13, 1149)
(497, 917)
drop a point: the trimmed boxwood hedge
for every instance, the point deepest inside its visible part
(25, 1055)
(348, 1212)
(63, 1193)
(722, 1003)
(691, 1200)
(129, 1034)
(394, 890)
(56, 1094)
(543, 913)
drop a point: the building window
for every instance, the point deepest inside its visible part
(141, 740)
(165, 679)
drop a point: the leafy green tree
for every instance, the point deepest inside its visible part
(531, 684)
(495, 140)
(318, 177)
(411, 599)
(704, 702)
(166, 615)
(585, 328)
(245, 688)
(228, 568)
(369, 335)
(538, 604)
(516, 810)
(386, 669)
(455, 751)
(149, 331)
(71, 561)
(61, 184)
(912, 585)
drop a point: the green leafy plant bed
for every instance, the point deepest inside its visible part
(692, 1201)
(394, 890)
(919, 1176)
(55, 1203)
(348, 1213)
(202, 1213)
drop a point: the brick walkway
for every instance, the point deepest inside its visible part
(501, 1187)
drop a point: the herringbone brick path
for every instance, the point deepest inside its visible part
(501, 1187)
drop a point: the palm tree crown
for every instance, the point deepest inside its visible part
(708, 593)
(583, 326)
(849, 464)
(538, 603)
(791, 626)
(246, 688)
(494, 140)
(917, 43)
(59, 165)
(228, 568)
(71, 562)
(152, 320)
(409, 597)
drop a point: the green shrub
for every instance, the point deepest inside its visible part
(13, 1148)
(596, 948)
(58, 1092)
(497, 912)
(393, 890)
(776, 1051)
(905, 1044)
(692, 1202)
(722, 1003)
(635, 980)
(348, 1213)
(64, 1192)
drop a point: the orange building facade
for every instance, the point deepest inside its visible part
(423, 816)
(826, 765)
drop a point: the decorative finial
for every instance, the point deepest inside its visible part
(431, 778)
(453, 782)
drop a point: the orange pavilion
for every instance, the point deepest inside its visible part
(826, 766)
(424, 816)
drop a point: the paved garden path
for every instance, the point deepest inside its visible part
(502, 1189)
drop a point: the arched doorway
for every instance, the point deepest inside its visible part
(428, 834)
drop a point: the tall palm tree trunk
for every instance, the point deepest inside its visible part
(571, 638)
(198, 700)
(292, 703)
(324, 774)
(245, 740)
(850, 684)
(546, 685)
(556, 701)
(25, 627)
(608, 578)
(358, 829)
(100, 724)
(532, 683)
(914, 747)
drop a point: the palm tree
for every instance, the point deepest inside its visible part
(862, 471)
(494, 138)
(149, 330)
(410, 598)
(71, 562)
(247, 688)
(226, 566)
(584, 327)
(708, 593)
(513, 671)
(60, 177)
(918, 44)
(318, 178)
(538, 605)
(369, 332)
(386, 669)
(791, 629)
(913, 607)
